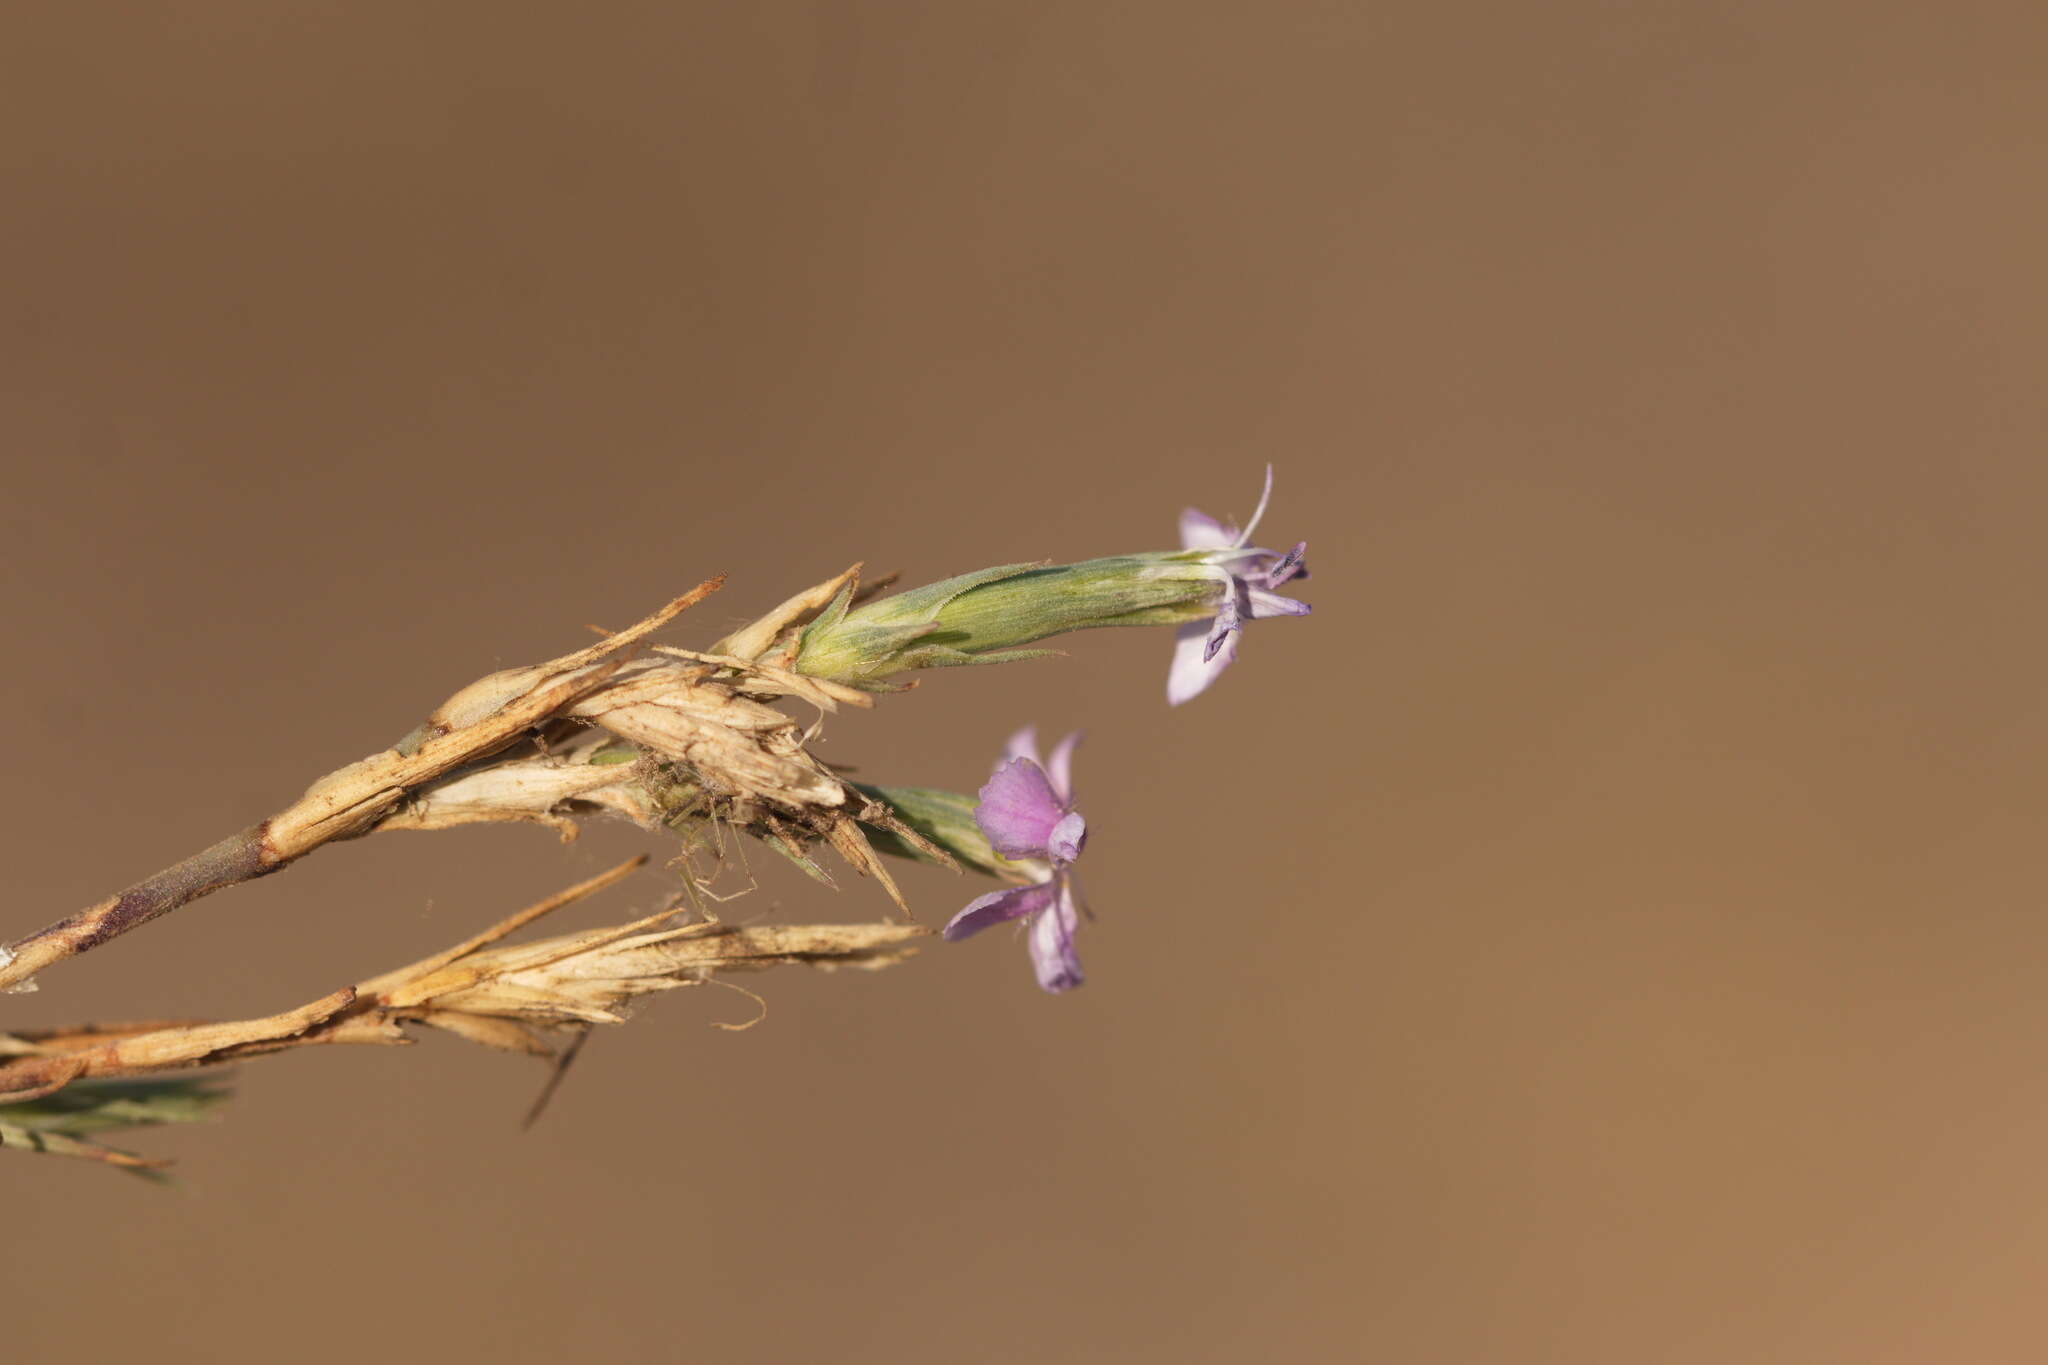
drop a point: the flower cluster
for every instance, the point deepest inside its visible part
(1023, 826)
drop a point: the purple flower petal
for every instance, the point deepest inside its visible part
(1052, 945)
(1060, 768)
(1193, 668)
(1265, 605)
(1067, 837)
(1228, 620)
(997, 907)
(1023, 744)
(1018, 809)
(1200, 531)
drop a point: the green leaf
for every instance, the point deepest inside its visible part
(90, 1106)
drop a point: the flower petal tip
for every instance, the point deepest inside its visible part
(1067, 837)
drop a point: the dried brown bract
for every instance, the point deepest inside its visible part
(517, 997)
(698, 740)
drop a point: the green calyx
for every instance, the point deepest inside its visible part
(947, 819)
(983, 617)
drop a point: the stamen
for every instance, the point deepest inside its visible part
(1290, 564)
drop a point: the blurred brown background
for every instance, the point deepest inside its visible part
(1611, 929)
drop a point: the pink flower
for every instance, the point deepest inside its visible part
(1252, 577)
(1027, 812)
